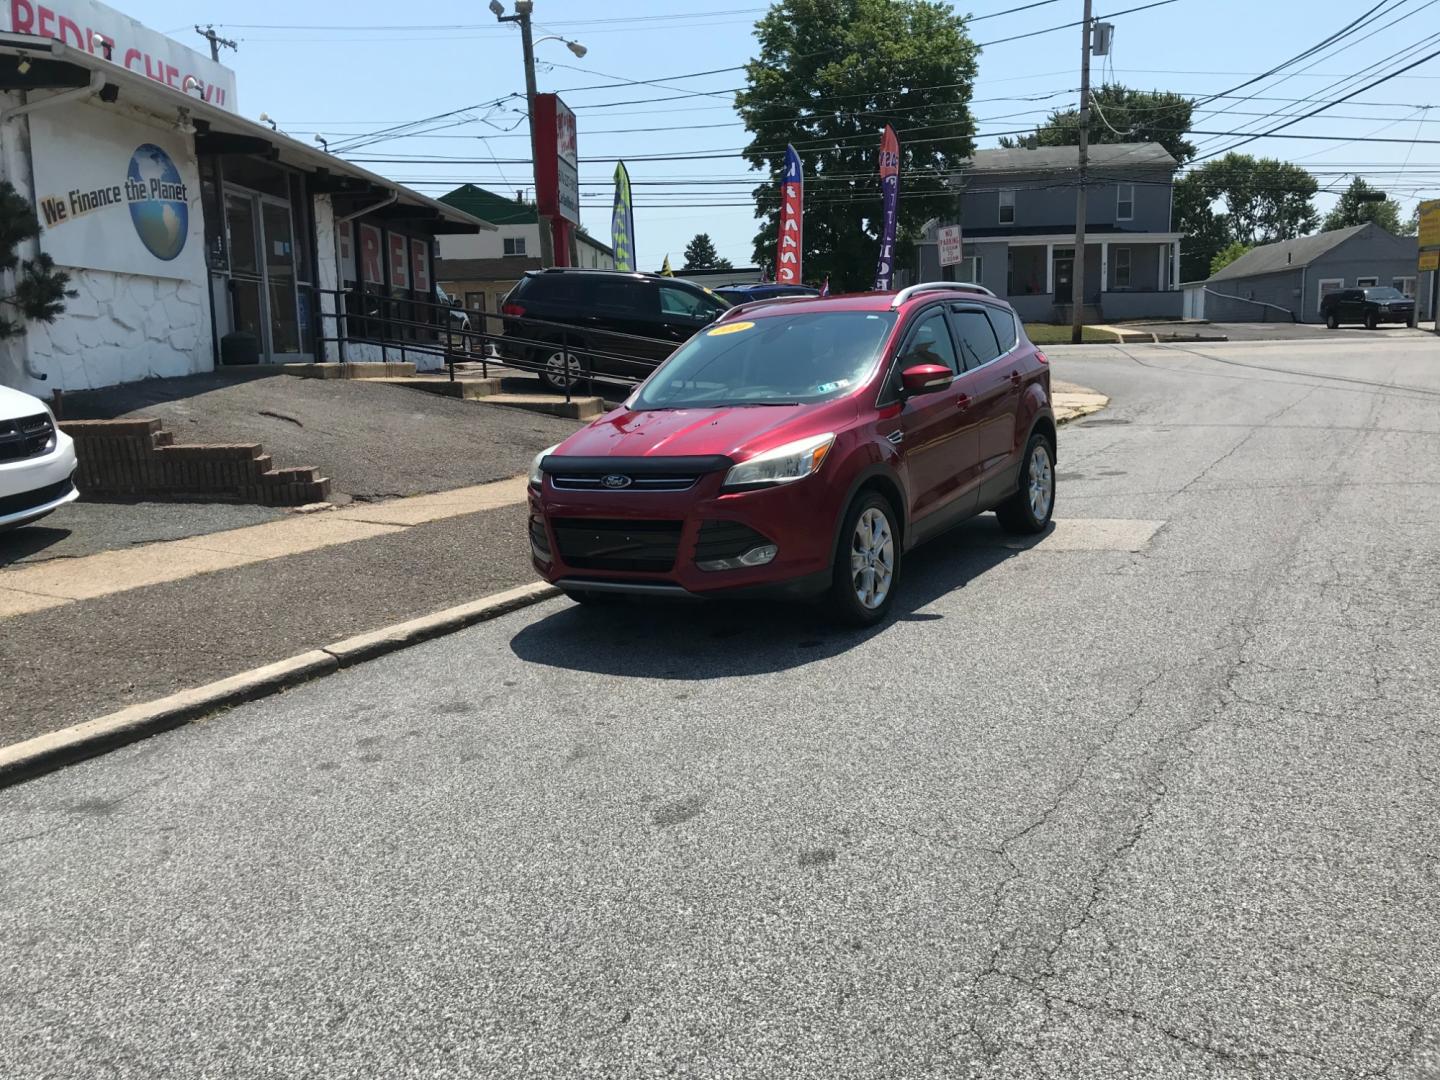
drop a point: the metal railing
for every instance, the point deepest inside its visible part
(520, 343)
(1258, 303)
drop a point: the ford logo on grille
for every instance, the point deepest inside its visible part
(614, 481)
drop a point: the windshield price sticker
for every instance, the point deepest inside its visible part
(729, 328)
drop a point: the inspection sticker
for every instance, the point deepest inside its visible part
(729, 328)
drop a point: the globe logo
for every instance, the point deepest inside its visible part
(158, 205)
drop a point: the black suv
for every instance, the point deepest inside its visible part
(1371, 306)
(743, 294)
(614, 323)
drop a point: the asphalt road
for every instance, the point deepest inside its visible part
(1077, 812)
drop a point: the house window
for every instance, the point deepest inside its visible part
(1007, 207)
(1122, 267)
(1367, 282)
(1327, 286)
(514, 245)
(1405, 284)
(969, 270)
(1124, 202)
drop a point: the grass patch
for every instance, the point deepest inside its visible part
(1049, 334)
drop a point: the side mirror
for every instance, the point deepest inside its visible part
(926, 379)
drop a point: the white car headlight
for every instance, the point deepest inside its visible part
(536, 476)
(793, 461)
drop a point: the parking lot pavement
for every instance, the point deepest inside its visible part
(1121, 802)
(1276, 331)
(84, 528)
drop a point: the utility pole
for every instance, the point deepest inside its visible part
(523, 10)
(216, 41)
(1077, 273)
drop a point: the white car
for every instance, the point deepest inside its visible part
(37, 461)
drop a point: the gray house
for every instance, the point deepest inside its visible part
(1288, 278)
(1017, 215)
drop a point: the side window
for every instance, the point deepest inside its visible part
(978, 344)
(929, 343)
(1003, 323)
(677, 301)
(614, 297)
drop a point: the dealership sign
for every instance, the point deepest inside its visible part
(104, 32)
(113, 194)
(557, 161)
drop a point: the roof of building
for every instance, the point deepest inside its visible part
(500, 268)
(1101, 155)
(1288, 254)
(489, 206)
(216, 124)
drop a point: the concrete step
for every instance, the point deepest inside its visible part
(466, 389)
(358, 370)
(577, 408)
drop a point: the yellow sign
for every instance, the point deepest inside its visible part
(729, 328)
(1430, 225)
(1429, 260)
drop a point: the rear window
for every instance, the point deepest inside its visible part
(780, 360)
(977, 338)
(1003, 323)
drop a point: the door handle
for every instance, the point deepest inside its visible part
(962, 402)
(1015, 379)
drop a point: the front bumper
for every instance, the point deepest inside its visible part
(1397, 315)
(799, 519)
(33, 487)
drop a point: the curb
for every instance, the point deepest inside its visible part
(45, 753)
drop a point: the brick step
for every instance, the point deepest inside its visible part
(139, 459)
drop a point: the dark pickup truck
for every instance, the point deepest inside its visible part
(1370, 306)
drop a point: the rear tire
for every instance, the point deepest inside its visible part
(553, 365)
(1028, 511)
(1332, 321)
(867, 562)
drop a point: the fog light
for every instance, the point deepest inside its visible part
(756, 556)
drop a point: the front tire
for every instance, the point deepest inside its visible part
(1028, 511)
(867, 562)
(1372, 321)
(1332, 321)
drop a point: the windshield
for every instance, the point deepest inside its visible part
(781, 360)
(1384, 292)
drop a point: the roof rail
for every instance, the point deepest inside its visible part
(938, 286)
(750, 305)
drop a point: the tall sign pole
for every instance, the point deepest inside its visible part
(1077, 274)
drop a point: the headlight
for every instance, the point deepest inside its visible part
(793, 461)
(536, 476)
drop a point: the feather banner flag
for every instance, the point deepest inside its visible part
(890, 206)
(622, 221)
(790, 252)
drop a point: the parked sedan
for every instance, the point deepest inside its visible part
(800, 448)
(37, 461)
(1370, 307)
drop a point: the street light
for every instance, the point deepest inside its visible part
(324, 144)
(523, 11)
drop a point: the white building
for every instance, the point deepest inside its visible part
(190, 233)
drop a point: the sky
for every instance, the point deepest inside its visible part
(343, 69)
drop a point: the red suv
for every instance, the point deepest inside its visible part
(799, 447)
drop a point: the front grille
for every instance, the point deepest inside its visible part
(610, 544)
(726, 540)
(28, 500)
(677, 482)
(29, 436)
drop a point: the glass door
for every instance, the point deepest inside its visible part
(263, 297)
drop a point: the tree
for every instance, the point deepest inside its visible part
(1412, 223)
(700, 254)
(1120, 115)
(829, 76)
(1227, 255)
(1261, 200)
(40, 289)
(1361, 203)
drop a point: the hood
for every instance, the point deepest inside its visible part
(14, 404)
(733, 432)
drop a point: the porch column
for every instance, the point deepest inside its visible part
(1175, 272)
(1104, 266)
(1164, 257)
(1050, 269)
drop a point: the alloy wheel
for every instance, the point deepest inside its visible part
(872, 558)
(1042, 483)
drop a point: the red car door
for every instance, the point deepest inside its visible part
(936, 437)
(993, 381)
